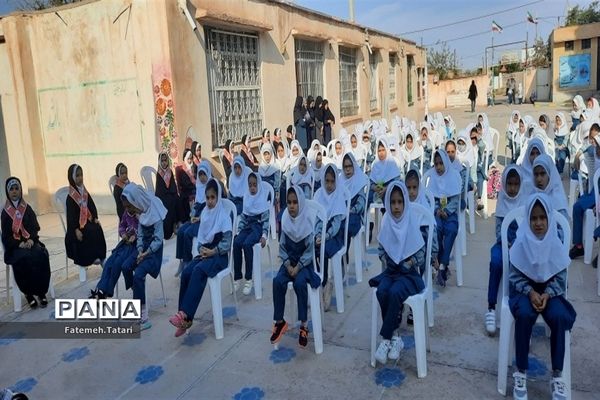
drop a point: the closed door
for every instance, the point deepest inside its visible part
(543, 84)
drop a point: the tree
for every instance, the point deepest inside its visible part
(36, 5)
(541, 54)
(579, 15)
(442, 61)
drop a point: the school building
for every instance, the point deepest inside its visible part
(101, 82)
(575, 67)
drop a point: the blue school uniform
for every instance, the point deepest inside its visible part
(238, 201)
(357, 210)
(294, 253)
(149, 238)
(186, 234)
(334, 240)
(559, 314)
(195, 275)
(447, 229)
(496, 260)
(250, 229)
(394, 285)
(561, 154)
(274, 180)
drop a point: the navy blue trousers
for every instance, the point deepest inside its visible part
(495, 274)
(122, 258)
(245, 240)
(300, 282)
(447, 229)
(193, 282)
(185, 238)
(582, 204)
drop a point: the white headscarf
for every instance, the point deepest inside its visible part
(357, 181)
(467, 155)
(312, 153)
(539, 258)
(413, 154)
(334, 203)
(446, 185)
(264, 168)
(579, 107)
(294, 159)
(359, 152)
(400, 238)
(283, 163)
(595, 109)
(205, 167)
(258, 203)
(421, 196)
(302, 225)
(299, 178)
(554, 190)
(386, 170)
(151, 206)
(238, 184)
(334, 156)
(506, 203)
(563, 129)
(535, 142)
(514, 126)
(213, 220)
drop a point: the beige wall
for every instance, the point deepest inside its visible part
(576, 34)
(440, 90)
(81, 91)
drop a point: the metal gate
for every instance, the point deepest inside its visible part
(309, 68)
(542, 84)
(234, 85)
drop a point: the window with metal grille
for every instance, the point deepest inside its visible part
(420, 83)
(409, 90)
(309, 68)
(348, 82)
(373, 81)
(569, 45)
(586, 43)
(234, 85)
(392, 78)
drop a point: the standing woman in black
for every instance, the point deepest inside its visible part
(84, 240)
(186, 182)
(22, 246)
(319, 120)
(227, 159)
(166, 191)
(311, 132)
(328, 122)
(300, 115)
(120, 182)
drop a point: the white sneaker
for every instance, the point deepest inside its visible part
(236, 285)
(381, 354)
(559, 388)
(397, 346)
(247, 287)
(490, 322)
(520, 386)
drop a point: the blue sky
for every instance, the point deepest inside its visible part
(398, 16)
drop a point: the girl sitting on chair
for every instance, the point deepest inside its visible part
(296, 248)
(84, 240)
(149, 242)
(22, 247)
(120, 182)
(166, 191)
(214, 243)
(302, 177)
(253, 228)
(538, 284)
(238, 181)
(401, 253)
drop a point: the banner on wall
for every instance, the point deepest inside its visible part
(574, 71)
(164, 110)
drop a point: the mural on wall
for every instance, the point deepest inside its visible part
(574, 71)
(164, 110)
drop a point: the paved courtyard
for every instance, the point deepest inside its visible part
(462, 363)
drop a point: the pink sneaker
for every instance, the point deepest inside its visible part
(178, 320)
(180, 331)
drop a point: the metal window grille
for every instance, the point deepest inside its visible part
(234, 85)
(409, 68)
(392, 78)
(348, 82)
(373, 81)
(309, 68)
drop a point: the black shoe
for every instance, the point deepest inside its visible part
(43, 301)
(576, 252)
(479, 207)
(595, 262)
(93, 294)
(371, 226)
(303, 336)
(31, 300)
(279, 329)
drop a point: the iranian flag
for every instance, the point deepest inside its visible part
(496, 27)
(531, 19)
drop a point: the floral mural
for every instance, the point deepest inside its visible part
(164, 110)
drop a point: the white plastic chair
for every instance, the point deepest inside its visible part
(148, 175)
(314, 295)
(162, 287)
(60, 202)
(462, 217)
(507, 321)
(336, 260)
(112, 181)
(590, 221)
(376, 207)
(421, 304)
(256, 249)
(357, 246)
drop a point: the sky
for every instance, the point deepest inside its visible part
(401, 16)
